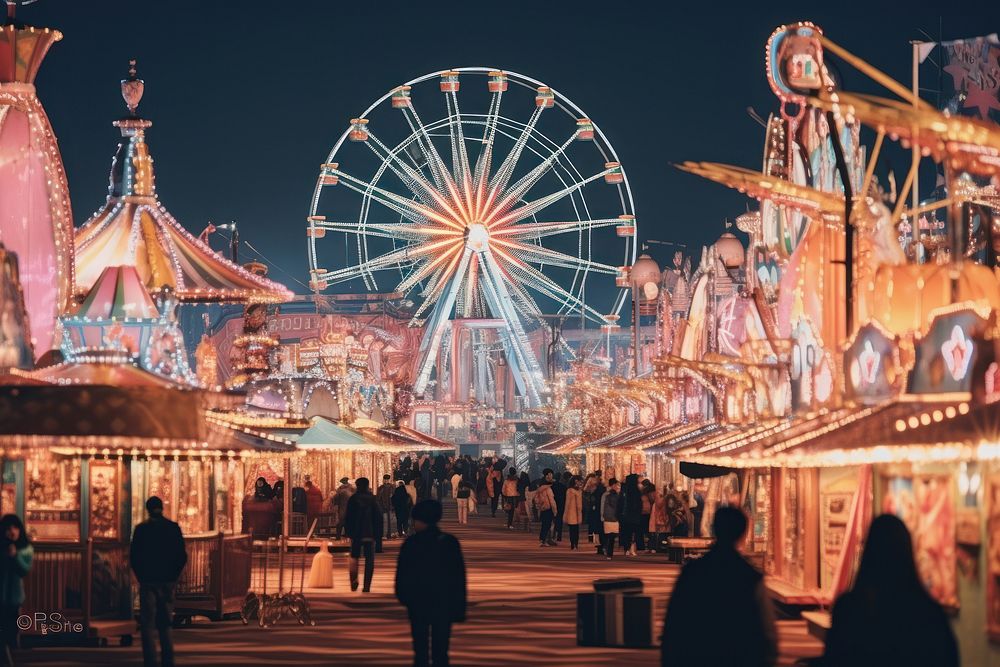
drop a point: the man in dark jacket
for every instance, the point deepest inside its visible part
(559, 491)
(430, 583)
(719, 613)
(363, 525)
(384, 498)
(157, 558)
(440, 470)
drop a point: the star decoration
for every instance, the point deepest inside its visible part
(983, 100)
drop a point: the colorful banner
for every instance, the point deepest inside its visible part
(973, 66)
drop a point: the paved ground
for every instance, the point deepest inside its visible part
(522, 612)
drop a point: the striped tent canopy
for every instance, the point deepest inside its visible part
(325, 435)
(117, 313)
(134, 228)
(118, 294)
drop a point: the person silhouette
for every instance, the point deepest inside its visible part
(719, 613)
(888, 617)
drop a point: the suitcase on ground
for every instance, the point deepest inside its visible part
(618, 585)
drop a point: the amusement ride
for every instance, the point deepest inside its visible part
(478, 218)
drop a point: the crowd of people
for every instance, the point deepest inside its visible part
(718, 612)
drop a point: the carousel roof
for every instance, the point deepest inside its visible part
(118, 294)
(102, 368)
(134, 228)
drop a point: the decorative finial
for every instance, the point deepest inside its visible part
(132, 88)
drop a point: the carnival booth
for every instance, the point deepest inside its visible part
(79, 461)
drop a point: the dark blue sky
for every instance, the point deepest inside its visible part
(248, 97)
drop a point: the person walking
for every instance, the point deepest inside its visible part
(493, 480)
(609, 517)
(648, 501)
(462, 502)
(340, 499)
(596, 521)
(426, 478)
(430, 583)
(510, 497)
(888, 617)
(725, 588)
(401, 506)
(384, 498)
(559, 487)
(659, 524)
(573, 511)
(698, 500)
(16, 555)
(157, 556)
(362, 525)
(411, 488)
(684, 516)
(630, 514)
(545, 504)
(314, 501)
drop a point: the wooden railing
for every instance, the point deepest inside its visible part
(55, 583)
(81, 582)
(93, 581)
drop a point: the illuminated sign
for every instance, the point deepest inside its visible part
(871, 365)
(957, 353)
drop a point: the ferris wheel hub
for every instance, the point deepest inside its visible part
(477, 237)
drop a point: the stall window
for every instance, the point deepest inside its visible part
(52, 497)
(104, 517)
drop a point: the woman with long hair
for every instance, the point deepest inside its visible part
(888, 617)
(16, 555)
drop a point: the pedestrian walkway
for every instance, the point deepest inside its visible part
(521, 612)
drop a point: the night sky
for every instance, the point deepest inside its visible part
(247, 98)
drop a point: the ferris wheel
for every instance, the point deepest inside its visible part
(512, 205)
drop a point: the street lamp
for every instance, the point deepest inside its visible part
(645, 279)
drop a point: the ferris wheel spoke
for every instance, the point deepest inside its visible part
(409, 209)
(425, 270)
(506, 169)
(495, 289)
(541, 283)
(448, 279)
(408, 254)
(538, 230)
(534, 207)
(410, 177)
(485, 159)
(439, 172)
(434, 328)
(534, 253)
(388, 230)
(514, 194)
(459, 151)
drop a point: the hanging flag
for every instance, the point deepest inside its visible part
(974, 67)
(924, 49)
